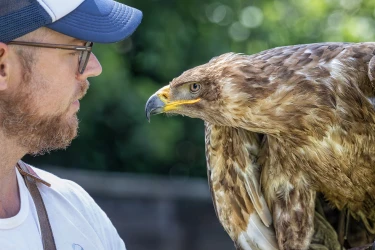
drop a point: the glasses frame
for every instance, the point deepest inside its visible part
(83, 57)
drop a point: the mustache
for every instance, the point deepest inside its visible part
(84, 86)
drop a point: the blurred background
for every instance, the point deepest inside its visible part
(150, 178)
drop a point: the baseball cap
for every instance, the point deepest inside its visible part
(100, 21)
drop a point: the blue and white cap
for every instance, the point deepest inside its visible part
(101, 21)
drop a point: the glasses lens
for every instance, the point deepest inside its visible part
(84, 58)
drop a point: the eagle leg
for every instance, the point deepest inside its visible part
(293, 214)
(325, 236)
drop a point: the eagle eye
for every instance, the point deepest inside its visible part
(195, 87)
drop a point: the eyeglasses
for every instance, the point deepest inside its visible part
(83, 57)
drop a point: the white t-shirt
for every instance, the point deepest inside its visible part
(77, 221)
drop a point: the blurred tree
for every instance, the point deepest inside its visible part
(174, 36)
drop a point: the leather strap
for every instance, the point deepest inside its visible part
(45, 226)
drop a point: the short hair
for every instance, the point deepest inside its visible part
(28, 55)
(35, 36)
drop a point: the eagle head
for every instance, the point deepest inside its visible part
(206, 92)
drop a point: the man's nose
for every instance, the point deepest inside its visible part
(93, 68)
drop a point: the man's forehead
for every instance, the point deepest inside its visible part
(50, 36)
(76, 41)
(61, 38)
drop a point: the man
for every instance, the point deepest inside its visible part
(45, 60)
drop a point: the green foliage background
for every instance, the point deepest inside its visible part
(175, 36)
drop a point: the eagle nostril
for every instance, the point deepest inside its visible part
(165, 96)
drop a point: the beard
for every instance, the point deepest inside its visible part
(38, 134)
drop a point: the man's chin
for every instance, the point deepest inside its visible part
(37, 134)
(59, 138)
(47, 147)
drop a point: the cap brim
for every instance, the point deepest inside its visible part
(88, 22)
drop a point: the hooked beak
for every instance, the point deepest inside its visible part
(154, 106)
(156, 103)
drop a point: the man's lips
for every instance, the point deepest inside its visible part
(83, 90)
(76, 104)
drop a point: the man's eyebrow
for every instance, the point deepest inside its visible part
(77, 41)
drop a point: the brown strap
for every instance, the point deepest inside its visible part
(45, 226)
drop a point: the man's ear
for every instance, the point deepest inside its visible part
(4, 66)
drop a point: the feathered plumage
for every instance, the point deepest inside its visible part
(302, 115)
(234, 176)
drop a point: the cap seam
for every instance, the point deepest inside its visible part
(48, 9)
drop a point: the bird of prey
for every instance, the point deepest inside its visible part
(280, 126)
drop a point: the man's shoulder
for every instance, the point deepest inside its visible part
(66, 202)
(68, 189)
(55, 181)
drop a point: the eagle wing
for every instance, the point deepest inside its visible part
(234, 180)
(316, 98)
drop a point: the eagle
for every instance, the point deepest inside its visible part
(280, 126)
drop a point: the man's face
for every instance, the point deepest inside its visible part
(39, 109)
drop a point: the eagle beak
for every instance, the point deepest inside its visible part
(156, 103)
(154, 106)
(160, 102)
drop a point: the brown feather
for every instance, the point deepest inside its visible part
(231, 164)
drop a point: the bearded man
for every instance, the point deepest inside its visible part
(45, 61)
